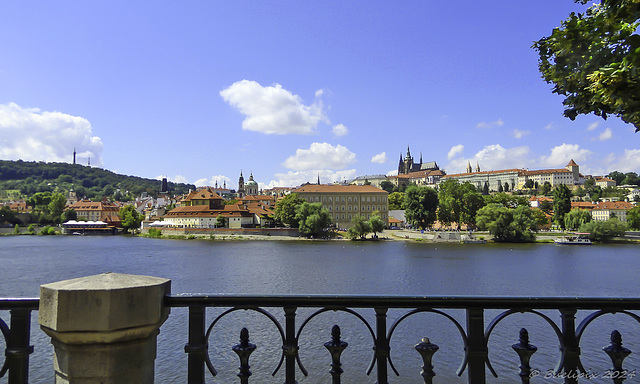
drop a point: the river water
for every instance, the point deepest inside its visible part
(339, 267)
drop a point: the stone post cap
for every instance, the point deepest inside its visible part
(103, 303)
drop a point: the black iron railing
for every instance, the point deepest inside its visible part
(17, 335)
(475, 333)
(282, 311)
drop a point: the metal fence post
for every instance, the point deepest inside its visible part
(18, 348)
(197, 347)
(290, 346)
(570, 349)
(477, 346)
(382, 345)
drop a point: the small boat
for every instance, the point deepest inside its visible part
(575, 239)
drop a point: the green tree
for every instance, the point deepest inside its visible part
(616, 176)
(589, 183)
(509, 201)
(540, 217)
(458, 203)
(631, 178)
(377, 225)
(576, 217)
(313, 219)
(420, 204)
(286, 209)
(130, 219)
(31, 229)
(507, 224)
(7, 215)
(500, 188)
(633, 218)
(16, 229)
(485, 188)
(561, 204)
(396, 201)
(592, 60)
(69, 214)
(546, 188)
(359, 228)
(221, 221)
(56, 207)
(604, 230)
(546, 206)
(387, 186)
(528, 184)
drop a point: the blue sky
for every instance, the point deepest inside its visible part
(198, 91)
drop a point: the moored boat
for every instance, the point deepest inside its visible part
(575, 239)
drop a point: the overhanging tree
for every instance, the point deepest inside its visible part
(285, 210)
(592, 60)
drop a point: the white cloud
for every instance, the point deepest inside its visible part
(393, 172)
(562, 154)
(340, 130)
(549, 126)
(497, 123)
(629, 162)
(32, 135)
(606, 135)
(220, 179)
(294, 179)
(456, 149)
(518, 134)
(273, 110)
(493, 157)
(320, 156)
(380, 158)
(593, 126)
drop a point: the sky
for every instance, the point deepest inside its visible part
(289, 91)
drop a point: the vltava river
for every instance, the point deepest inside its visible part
(338, 267)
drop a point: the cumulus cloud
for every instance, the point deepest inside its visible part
(296, 178)
(593, 126)
(320, 156)
(549, 126)
(380, 158)
(220, 179)
(562, 154)
(493, 157)
(33, 135)
(273, 110)
(606, 135)
(456, 149)
(340, 130)
(518, 134)
(393, 172)
(497, 123)
(628, 162)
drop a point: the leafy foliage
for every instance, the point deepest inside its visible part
(359, 229)
(506, 200)
(129, 218)
(561, 204)
(592, 60)
(458, 203)
(94, 183)
(507, 224)
(285, 211)
(420, 204)
(396, 201)
(604, 230)
(633, 218)
(576, 218)
(313, 219)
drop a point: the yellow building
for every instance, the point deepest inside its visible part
(344, 202)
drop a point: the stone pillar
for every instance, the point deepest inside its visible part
(104, 327)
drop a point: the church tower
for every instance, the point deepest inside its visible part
(575, 169)
(469, 170)
(241, 193)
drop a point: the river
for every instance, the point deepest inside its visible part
(338, 267)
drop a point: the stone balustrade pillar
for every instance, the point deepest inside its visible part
(104, 327)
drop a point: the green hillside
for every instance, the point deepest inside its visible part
(23, 179)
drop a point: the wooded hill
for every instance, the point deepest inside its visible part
(25, 178)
